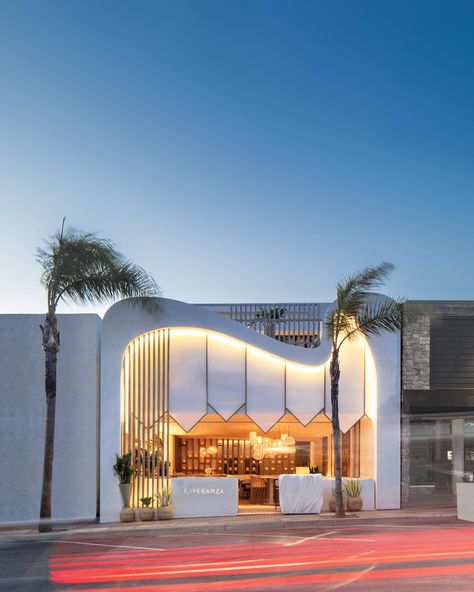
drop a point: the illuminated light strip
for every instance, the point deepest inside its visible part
(228, 340)
(264, 355)
(371, 385)
(187, 332)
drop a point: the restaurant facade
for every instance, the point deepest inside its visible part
(217, 401)
(196, 394)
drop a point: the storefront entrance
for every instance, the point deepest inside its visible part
(441, 453)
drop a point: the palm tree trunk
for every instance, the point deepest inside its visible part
(335, 373)
(51, 347)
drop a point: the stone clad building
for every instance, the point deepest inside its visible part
(437, 448)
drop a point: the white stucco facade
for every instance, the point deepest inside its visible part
(122, 324)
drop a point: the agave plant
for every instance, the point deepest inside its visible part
(163, 498)
(352, 487)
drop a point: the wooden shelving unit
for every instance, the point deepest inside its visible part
(233, 457)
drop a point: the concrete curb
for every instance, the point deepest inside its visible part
(243, 523)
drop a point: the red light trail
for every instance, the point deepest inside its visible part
(324, 562)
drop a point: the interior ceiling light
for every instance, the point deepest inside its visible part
(268, 447)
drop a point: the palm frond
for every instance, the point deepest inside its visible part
(352, 292)
(338, 324)
(378, 315)
(82, 268)
(351, 296)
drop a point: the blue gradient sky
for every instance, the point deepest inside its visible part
(241, 151)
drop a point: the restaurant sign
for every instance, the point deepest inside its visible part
(194, 497)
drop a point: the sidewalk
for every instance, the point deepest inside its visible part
(243, 522)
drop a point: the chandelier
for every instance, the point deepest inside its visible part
(209, 451)
(267, 447)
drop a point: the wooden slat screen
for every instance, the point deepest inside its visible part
(145, 419)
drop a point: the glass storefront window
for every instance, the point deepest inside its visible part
(440, 454)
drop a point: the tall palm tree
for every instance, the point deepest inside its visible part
(79, 267)
(358, 311)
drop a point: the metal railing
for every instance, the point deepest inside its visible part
(294, 323)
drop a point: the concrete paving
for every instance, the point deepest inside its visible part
(243, 521)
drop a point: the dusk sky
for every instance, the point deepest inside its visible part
(241, 151)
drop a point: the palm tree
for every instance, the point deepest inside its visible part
(81, 268)
(268, 318)
(357, 312)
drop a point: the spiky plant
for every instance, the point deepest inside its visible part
(357, 312)
(163, 498)
(352, 487)
(79, 267)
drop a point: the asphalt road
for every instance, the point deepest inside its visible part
(393, 556)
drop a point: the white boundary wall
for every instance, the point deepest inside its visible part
(22, 418)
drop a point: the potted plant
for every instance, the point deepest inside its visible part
(163, 499)
(146, 513)
(353, 489)
(124, 470)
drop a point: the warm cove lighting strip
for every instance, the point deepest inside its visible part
(231, 341)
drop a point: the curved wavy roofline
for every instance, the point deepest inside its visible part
(177, 314)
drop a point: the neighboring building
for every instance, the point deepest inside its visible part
(438, 401)
(200, 387)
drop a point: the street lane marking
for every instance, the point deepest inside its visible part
(311, 538)
(104, 545)
(351, 580)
